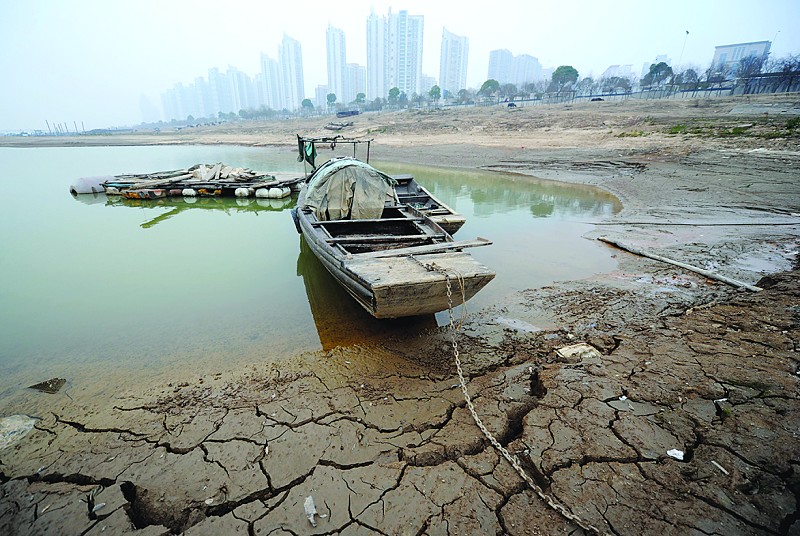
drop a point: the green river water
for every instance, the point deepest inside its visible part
(91, 285)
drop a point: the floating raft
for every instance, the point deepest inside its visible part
(201, 180)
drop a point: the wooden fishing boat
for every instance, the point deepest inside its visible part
(392, 258)
(410, 192)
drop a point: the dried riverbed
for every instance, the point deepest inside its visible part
(380, 436)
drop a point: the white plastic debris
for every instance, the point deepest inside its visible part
(209, 502)
(718, 466)
(97, 507)
(675, 453)
(576, 353)
(14, 428)
(311, 510)
(623, 398)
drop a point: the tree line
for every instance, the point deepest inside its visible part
(756, 74)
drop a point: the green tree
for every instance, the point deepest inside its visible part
(464, 96)
(307, 105)
(489, 88)
(563, 76)
(402, 100)
(331, 99)
(435, 93)
(394, 94)
(508, 90)
(190, 119)
(360, 98)
(658, 74)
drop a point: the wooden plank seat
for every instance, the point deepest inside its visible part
(383, 239)
(360, 222)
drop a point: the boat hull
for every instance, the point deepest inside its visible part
(399, 286)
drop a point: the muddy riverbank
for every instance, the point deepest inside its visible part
(681, 417)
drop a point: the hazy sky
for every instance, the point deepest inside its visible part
(90, 61)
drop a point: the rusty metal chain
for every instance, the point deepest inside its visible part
(550, 501)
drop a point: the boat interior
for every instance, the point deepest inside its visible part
(410, 193)
(397, 227)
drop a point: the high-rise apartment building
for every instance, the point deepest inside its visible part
(526, 69)
(337, 62)
(453, 62)
(501, 64)
(394, 53)
(290, 59)
(355, 81)
(509, 69)
(376, 57)
(270, 83)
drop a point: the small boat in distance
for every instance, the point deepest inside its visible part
(391, 258)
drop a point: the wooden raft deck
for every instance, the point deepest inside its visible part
(203, 180)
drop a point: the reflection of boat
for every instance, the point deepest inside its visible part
(412, 193)
(390, 257)
(332, 309)
(176, 205)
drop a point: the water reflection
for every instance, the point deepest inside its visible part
(497, 193)
(176, 205)
(339, 320)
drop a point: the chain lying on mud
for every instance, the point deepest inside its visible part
(551, 502)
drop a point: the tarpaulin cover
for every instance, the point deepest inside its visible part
(348, 188)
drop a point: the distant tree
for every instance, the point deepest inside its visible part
(435, 93)
(658, 75)
(789, 69)
(360, 98)
(190, 118)
(687, 77)
(586, 85)
(749, 66)
(716, 74)
(307, 105)
(375, 105)
(394, 95)
(465, 95)
(402, 100)
(615, 84)
(489, 88)
(331, 99)
(563, 76)
(508, 90)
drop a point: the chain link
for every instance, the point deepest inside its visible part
(551, 502)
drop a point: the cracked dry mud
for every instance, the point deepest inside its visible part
(380, 434)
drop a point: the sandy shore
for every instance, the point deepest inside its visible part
(684, 418)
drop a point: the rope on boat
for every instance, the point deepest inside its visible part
(550, 501)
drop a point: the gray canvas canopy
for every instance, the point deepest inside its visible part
(348, 188)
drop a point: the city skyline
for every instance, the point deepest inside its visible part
(94, 62)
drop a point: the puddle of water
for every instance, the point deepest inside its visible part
(517, 325)
(104, 291)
